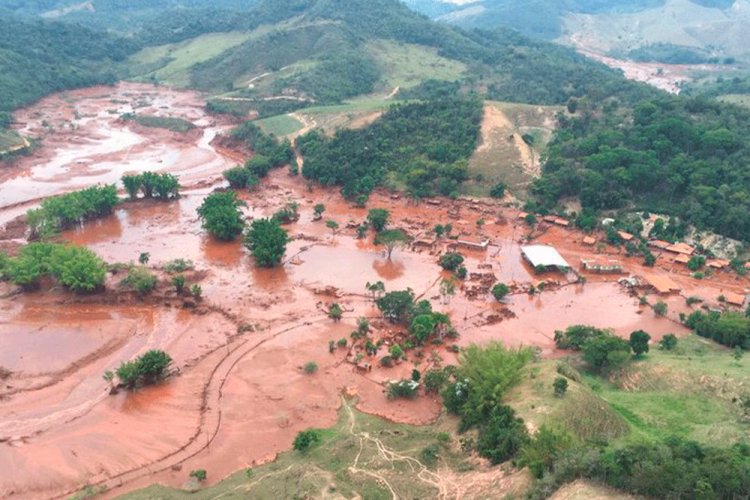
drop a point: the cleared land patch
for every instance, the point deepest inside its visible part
(406, 65)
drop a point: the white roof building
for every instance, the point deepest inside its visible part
(544, 255)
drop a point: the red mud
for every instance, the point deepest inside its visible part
(241, 394)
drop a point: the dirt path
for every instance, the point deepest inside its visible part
(496, 126)
(308, 123)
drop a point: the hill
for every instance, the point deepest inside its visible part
(705, 28)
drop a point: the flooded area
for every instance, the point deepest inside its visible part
(241, 394)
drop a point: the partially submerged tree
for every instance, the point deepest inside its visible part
(267, 242)
(221, 215)
(391, 238)
(378, 218)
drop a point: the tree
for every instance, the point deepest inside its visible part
(396, 306)
(378, 218)
(335, 312)
(149, 368)
(376, 289)
(132, 185)
(502, 435)
(397, 352)
(240, 177)
(447, 289)
(660, 308)
(668, 342)
(267, 242)
(606, 352)
(391, 238)
(221, 215)
(450, 261)
(639, 342)
(318, 211)
(560, 386)
(143, 258)
(499, 291)
(307, 439)
(310, 367)
(179, 283)
(140, 280)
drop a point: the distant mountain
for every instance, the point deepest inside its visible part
(617, 26)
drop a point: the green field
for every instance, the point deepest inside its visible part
(280, 126)
(739, 99)
(166, 122)
(406, 65)
(170, 64)
(692, 392)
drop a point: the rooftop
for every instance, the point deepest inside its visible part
(662, 284)
(682, 248)
(543, 255)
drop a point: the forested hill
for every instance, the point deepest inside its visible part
(37, 58)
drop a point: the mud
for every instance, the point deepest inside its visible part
(241, 394)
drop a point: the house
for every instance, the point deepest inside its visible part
(682, 259)
(662, 284)
(544, 256)
(625, 236)
(602, 267)
(681, 248)
(589, 240)
(660, 244)
(562, 222)
(735, 299)
(718, 263)
(472, 243)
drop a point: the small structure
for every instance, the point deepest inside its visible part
(549, 218)
(718, 263)
(735, 299)
(589, 240)
(662, 284)
(424, 242)
(660, 244)
(681, 248)
(562, 222)
(544, 256)
(602, 267)
(607, 222)
(523, 215)
(625, 236)
(472, 243)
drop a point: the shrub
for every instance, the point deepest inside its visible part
(342, 342)
(386, 361)
(178, 266)
(149, 368)
(132, 185)
(179, 283)
(451, 261)
(140, 280)
(498, 190)
(199, 474)
(560, 386)
(310, 367)
(396, 306)
(461, 272)
(61, 212)
(639, 342)
(606, 352)
(406, 389)
(378, 218)
(430, 454)
(267, 242)
(196, 291)
(434, 380)
(335, 312)
(502, 435)
(661, 308)
(307, 439)
(696, 262)
(288, 213)
(397, 352)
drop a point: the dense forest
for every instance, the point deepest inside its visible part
(685, 157)
(37, 58)
(424, 145)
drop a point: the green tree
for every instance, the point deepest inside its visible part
(661, 308)
(560, 385)
(221, 215)
(132, 185)
(318, 211)
(333, 226)
(378, 218)
(307, 439)
(499, 291)
(498, 190)
(391, 238)
(607, 352)
(239, 177)
(668, 342)
(639, 342)
(450, 261)
(267, 242)
(541, 453)
(396, 306)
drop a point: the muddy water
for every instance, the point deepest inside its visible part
(84, 141)
(240, 350)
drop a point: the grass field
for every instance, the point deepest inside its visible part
(361, 457)
(281, 125)
(691, 392)
(739, 99)
(170, 64)
(406, 65)
(169, 123)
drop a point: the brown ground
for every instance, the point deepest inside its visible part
(241, 395)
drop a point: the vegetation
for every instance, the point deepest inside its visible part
(391, 239)
(451, 261)
(150, 368)
(310, 367)
(499, 291)
(65, 211)
(378, 218)
(432, 139)
(152, 185)
(140, 280)
(269, 152)
(166, 122)
(267, 241)
(221, 215)
(639, 342)
(730, 328)
(76, 268)
(672, 155)
(396, 306)
(240, 177)
(306, 440)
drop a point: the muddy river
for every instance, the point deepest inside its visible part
(241, 394)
